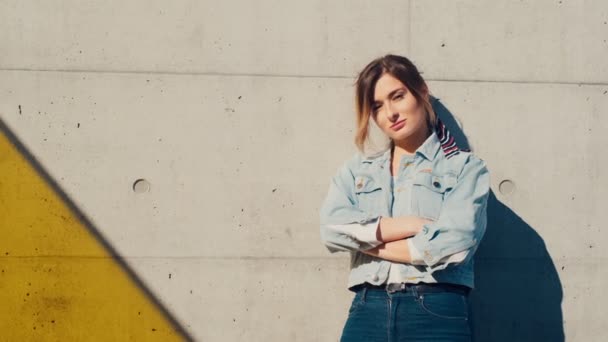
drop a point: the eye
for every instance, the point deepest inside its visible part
(398, 97)
(375, 109)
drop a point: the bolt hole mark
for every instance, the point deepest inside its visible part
(506, 187)
(140, 186)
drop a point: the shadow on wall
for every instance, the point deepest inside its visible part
(518, 293)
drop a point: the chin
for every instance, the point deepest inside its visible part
(402, 135)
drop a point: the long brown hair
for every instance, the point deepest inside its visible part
(402, 69)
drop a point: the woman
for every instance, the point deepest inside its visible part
(411, 217)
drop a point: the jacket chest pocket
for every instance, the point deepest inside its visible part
(428, 191)
(369, 194)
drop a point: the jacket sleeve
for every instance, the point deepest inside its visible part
(345, 227)
(416, 256)
(462, 221)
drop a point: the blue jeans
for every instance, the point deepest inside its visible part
(377, 315)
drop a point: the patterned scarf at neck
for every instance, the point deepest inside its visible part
(447, 141)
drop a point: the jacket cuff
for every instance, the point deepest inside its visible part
(366, 233)
(416, 257)
(363, 232)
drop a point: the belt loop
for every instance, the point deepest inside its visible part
(363, 294)
(388, 289)
(414, 289)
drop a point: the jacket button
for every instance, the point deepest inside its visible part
(436, 184)
(375, 278)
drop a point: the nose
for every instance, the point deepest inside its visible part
(391, 114)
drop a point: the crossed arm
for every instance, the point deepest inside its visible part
(451, 238)
(393, 232)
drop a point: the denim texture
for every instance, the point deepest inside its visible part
(451, 190)
(376, 315)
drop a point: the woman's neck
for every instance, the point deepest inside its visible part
(410, 145)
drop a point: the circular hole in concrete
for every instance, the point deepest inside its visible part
(506, 187)
(141, 185)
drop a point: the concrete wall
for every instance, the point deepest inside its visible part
(237, 113)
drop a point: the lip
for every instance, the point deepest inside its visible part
(398, 125)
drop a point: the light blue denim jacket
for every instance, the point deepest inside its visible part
(448, 185)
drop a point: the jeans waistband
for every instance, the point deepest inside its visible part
(419, 288)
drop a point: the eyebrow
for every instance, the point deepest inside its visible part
(391, 94)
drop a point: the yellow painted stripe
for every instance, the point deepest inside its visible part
(59, 281)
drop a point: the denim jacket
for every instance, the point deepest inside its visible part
(447, 185)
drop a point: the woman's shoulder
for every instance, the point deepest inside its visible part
(360, 160)
(359, 164)
(457, 162)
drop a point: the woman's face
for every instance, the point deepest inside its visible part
(396, 111)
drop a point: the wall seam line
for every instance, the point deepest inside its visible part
(172, 73)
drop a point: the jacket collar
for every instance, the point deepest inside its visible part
(429, 147)
(441, 138)
(428, 150)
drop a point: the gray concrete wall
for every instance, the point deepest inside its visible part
(238, 113)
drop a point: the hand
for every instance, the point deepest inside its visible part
(420, 224)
